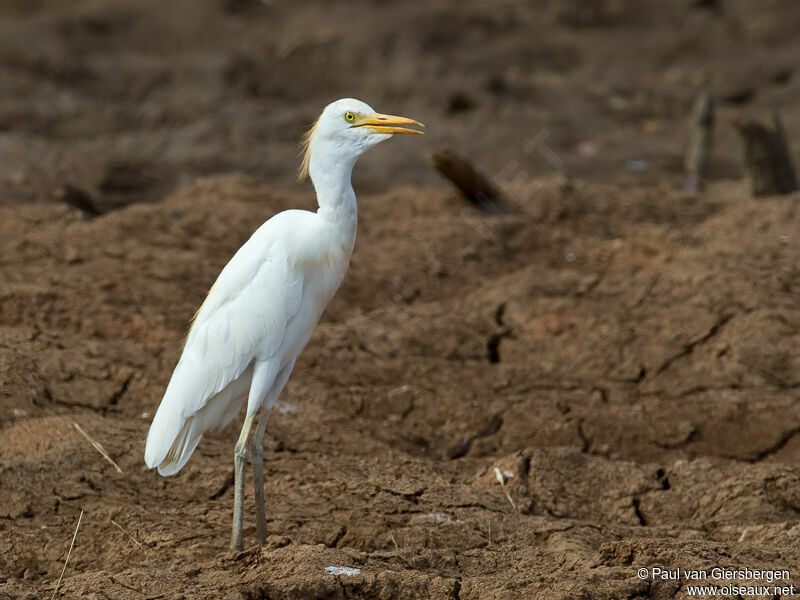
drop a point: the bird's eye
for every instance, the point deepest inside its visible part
(349, 117)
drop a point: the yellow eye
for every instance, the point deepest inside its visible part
(349, 117)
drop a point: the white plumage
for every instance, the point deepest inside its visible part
(243, 322)
(260, 313)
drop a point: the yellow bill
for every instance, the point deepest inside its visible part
(379, 123)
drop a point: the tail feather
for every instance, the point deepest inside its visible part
(172, 413)
(173, 438)
(182, 448)
(164, 431)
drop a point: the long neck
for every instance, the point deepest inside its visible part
(330, 173)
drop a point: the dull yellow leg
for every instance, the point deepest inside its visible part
(240, 455)
(257, 458)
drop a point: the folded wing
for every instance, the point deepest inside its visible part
(243, 318)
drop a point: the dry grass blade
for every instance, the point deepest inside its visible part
(133, 539)
(98, 447)
(744, 535)
(502, 479)
(69, 553)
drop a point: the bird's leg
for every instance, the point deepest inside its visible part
(257, 453)
(240, 455)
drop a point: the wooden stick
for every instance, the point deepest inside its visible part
(474, 186)
(767, 160)
(697, 156)
(98, 447)
(69, 553)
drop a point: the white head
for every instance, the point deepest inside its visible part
(344, 130)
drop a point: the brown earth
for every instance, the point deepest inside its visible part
(625, 352)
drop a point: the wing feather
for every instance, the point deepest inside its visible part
(243, 317)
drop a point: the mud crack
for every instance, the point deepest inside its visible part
(638, 512)
(690, 347)
(226, 485)
(777, 446)
(117, 396)
(493, 343)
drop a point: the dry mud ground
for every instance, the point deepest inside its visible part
(626, 352)
(642, 392)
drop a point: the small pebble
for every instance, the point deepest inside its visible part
(438, 517)
(587, 149)
(342, 571)
(286, 408)
(637, 165)
(71, 255)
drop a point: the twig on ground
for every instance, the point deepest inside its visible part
(133, 539)
(98, 447)
(69, 553)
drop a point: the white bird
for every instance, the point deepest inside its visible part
(260, 313)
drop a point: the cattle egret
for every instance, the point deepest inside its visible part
(260, 313)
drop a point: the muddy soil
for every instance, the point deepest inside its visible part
(623, 352)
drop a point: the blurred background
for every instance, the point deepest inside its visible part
(130, 100)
